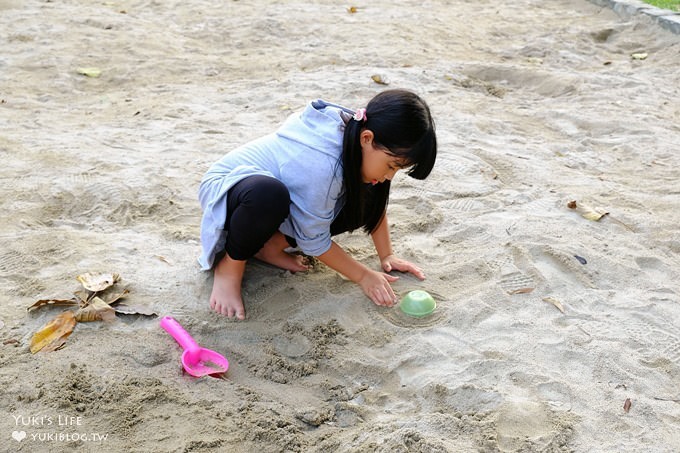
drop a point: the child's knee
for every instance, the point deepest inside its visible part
(273, 196)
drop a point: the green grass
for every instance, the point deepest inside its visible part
(673, 5)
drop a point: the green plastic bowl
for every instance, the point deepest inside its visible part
(418, 303)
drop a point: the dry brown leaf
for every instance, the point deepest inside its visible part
(626, 405)
(53, 303)
(352, 9)
(114, 298)
(555, 302)
(96, 310)
(521, 290)
(97, 282)
(53, 335)
(586, 211)
(126, 309)
(164, 259)
(84, 296)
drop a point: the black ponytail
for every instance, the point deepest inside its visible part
(403, 126)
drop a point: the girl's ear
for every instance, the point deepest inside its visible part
(366, 137)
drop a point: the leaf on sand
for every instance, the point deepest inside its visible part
(84, 296)
(53, 335)
(380, 79)
(89, 72)
(626, 405)
(96, 310)
(586, 211)
(97, 282)
(581, 259)
(555, 302)
(639, 56)
(53, 303)
(164, 259)
(352, 9)
(126, 309)
(114, 298)
(526, 290)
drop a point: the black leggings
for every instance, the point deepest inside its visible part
(256, 208)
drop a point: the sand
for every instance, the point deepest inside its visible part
(537, 103)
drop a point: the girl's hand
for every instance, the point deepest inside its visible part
(394, 263)
(376, 286)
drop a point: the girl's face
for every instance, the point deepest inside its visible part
(377, 164)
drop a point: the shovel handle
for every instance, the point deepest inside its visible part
(178, 333)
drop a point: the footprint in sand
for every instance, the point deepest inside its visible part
(511, 279)
(526, 270)
(528, 426)
(13, 262)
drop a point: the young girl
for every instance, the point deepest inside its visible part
(327, 170)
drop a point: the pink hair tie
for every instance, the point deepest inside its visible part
(360, 115)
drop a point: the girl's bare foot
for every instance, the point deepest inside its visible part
(273, 252)
(226, 293)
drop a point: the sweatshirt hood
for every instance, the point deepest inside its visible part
(320, 125)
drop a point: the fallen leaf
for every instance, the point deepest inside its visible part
(639, 56)
(521, 290)
(352, 9)
(382, 80)
(53, 335)
(114, 298)
(97, 282)
(581, 259)
(586, 211)
(89, 72)
(626, 405)
(555, 302)
(84, 296)
(164, 259)
(96, 310)
(126, 309)
(53, 303)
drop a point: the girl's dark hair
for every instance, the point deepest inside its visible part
(403, 126)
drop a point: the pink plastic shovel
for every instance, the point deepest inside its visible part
(197, 361)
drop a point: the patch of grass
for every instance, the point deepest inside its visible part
(673, 5)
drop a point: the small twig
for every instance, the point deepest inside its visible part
(667, 399)
(584, 331)
(621, 223)
(519, 157)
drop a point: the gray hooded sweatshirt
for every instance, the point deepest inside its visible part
(305, 153)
